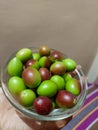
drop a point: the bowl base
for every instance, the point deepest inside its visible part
(44, 125)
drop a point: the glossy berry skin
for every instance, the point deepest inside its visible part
(73, 86)
(44, 61)
(29, 62)
(47, 88)
(33, 63)
(15, 67)
(43, 105)
(31, 77)
(45, 74)
(59, 81)
(56, 55)
(16, 85)
(27, 97)
(65, 99)
(58, 68)
(24, 54)
(44, 50)
(67, 76)
(36, 56)
(70, 64)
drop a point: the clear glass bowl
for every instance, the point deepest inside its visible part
(56, 114)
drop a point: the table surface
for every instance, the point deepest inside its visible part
(87, 117)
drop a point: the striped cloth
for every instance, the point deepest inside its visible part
(87, 117)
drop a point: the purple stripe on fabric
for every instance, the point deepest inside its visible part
(91, 96)
(90, 84)
(81, 115)
(88, 121)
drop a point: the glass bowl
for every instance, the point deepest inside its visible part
(56, 114)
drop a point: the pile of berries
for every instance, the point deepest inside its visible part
(43, 80)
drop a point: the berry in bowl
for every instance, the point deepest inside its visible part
(44, 85)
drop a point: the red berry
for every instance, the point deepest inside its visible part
(45, 73)
(65, 99)
(43, 105)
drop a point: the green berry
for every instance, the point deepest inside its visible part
(15, 67)
(47, 88)
(53, 105)
(36, 56)
(16, 85)
(24, 54)
(59, 81)
(27, 97)
(70, 64)
(73, 86)
(67, 76)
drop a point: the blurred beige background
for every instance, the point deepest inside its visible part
(70, 26)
